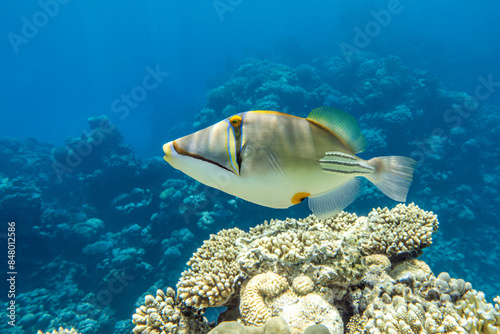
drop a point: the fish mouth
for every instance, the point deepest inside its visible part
(173, 147)
(167, 149)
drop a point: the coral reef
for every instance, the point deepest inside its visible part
(302, 285)
(98, 224)
(317, 275)
(453, 136)
(213, 274)
(275, 325)
(61, 331)
(304, 313)
(403, 302)
(253, 309)
(109, 209)
(400, 230)
(163, 314)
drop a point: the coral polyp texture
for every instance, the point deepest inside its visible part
(61, 331)
(253, 308)
(211, 279)
(344, 274)
(163, 314)
(402, 229)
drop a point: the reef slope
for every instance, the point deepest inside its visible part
(346, 274)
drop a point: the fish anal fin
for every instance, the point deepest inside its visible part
(328, 205)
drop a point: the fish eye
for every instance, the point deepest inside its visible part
(235, 120)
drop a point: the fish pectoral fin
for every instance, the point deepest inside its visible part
(263, 160)
(330, 204)
(275, 165)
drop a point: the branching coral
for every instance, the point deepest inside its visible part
(292, 247)
(61, 331)
(355, 325)
(299, 246)
(413, 300)
(400, 230)
(478, 315)
(163, 314)
(211, 279)
(402, 316)
(327, 251)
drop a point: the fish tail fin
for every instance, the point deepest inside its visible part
(393, 175)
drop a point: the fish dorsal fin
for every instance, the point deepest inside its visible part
(341, 124)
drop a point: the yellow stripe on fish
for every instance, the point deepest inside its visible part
(270, 112)
(231, 150)
(277, 160)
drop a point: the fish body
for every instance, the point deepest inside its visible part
(277, 160)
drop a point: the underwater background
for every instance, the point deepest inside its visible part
(90, 91)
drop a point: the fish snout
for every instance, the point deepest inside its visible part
(167, 149)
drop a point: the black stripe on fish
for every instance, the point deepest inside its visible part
(238, 134)
(340, 154)
(347, 164)
(197, 156)
(338, 171)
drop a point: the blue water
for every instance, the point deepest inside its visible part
(148, 68)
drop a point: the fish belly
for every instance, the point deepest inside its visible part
(275, 189)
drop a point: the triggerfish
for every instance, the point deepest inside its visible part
(278, 160)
